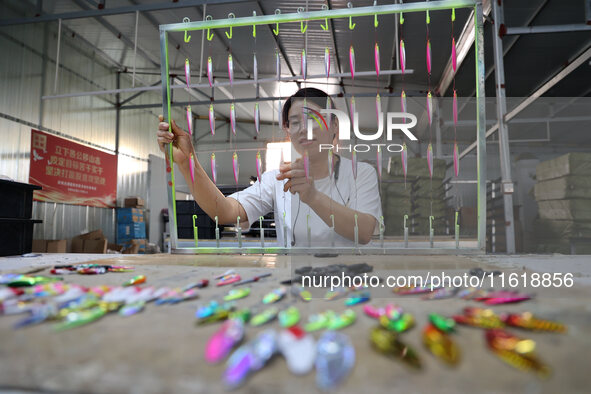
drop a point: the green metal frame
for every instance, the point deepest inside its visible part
(324, 14)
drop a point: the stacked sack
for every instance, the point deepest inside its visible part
(416, 198)
(563, 193)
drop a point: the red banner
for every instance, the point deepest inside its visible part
(72, 173)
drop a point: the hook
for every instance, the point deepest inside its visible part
(276, 29)
(375, 17)
(453, 14)
(230, 16)
(351, 24)
(302, 28)
(325, 26)
(187, 36)
(209, 37)
(401, 18)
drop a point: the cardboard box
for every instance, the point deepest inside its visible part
(135, 246)
(133, 202)
(92, 242)
(127, 232)
(50, 246)
(95, 245)
(130, 215)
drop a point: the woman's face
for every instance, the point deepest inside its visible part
(298, 129)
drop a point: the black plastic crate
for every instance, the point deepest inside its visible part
(187, 220)
(17, 236)
(203, 232)
(17, 199)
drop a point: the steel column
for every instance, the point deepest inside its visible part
(504, 153)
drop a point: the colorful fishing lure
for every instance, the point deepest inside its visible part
(135, 280)
(517, 352)
(338, 322)
(298, 349)
(230, 69)
(264, 317)
(335, 357)
(235, 167)
(259, 166)
(221, 343)
(353, 109)
(402, 324)
(228, 279)
(210, 71)
(327, 62)
(319, 321)
(391, 311)
(275, 295)
(455, 107)
(233, 118)
(387, 343)
(304, 64)
(528, 321)
(456, 160)
(430, 159)
(187, 72)
(378, 107)
(236, 294)
(211, 119)
(80, 318)
(352, 61)
(301, 292)
(376, 58)
(454, 61)
(289, 317)
(189, 120)
(255, 67)
(404, 159)
(192, 167)
(330, 162)
(354, 164)
(430, 107)
(257, 118)
(402, 57)
(132, 308)
(214, 172)
(441, 345)
(478, 317)
(358, 298)
(250, 358)
(429, 56)
(442, 323)
(306, 161)
(277, 65)
(403, 103)
(379, 162)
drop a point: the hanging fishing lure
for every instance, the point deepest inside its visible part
(210, 71)
(403, 104)
(441, 345)
(353, 109)
(404, 159)
(235, 166)
(214, 175)
(233, 118)
(430, 107)
(352, 61)
(328, 106)
(379, 158)
(327, 62)
(455, 108)
(259, 165)
(277, 65)
(192, 167)
(255, 67)
(211, 119)
(330, 163)
(189, 120)
(376, 58)
(454, 59)
(257, 118)
(354, 164)
(378, 107)
(430, 159)
(306, 160)
(429, 56)
(456, 160)
(187, 72)
(402, 57)
(304, 64)
(230, 69)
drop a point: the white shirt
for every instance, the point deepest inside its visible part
(361, 194)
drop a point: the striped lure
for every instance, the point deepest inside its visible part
(352, 61)
(376, 57)
(404, 159)
(192, 166)
(187, 72)
(354, 164)
(255, 67)
(210, 71)
(456, 160)
(306, 160)
(233, 118)
(454, 58)
(235, 166)
(304, 63)
(277, 65)
(430, 159)
(213, 168)
(430, 107)
(257, 118)
(189, 120)
(211, 119)
(327, 62)
(402, 57)
(259, 165)
(429, 56)
(230, 69)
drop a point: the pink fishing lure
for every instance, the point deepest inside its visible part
(214, 174)
(402, 57)
(222, 342)
(430, 107)
(235, 166)
(230, 68)
(352, 61)
(211, 119)
(210, 71)
(376, 57)
(455, 108)
(255, 67)
(277, 65)
(403, 103)
(233, 118)
(430, 159)
(456, 160)
(189, 120)
(454, 59)
(257, 118)
(306, 160)
(259, 165)
(404, 159)
(327, 62)
(354, 164)
(192, 165)
(187, 72)
(304, 64)
(429, 56)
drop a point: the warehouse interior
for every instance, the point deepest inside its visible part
(496, 182)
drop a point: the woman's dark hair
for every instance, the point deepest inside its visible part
(314, 95)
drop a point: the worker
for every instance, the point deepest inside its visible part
(310, 198)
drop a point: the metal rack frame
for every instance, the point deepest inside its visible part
(476, 5)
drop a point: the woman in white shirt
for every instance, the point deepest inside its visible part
(311, 200)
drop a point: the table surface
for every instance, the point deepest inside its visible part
(161, 349)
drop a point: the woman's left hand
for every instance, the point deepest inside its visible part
(297, 182)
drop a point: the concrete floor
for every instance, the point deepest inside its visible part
(161, 349)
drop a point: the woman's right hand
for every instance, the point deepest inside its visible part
(180, 139)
